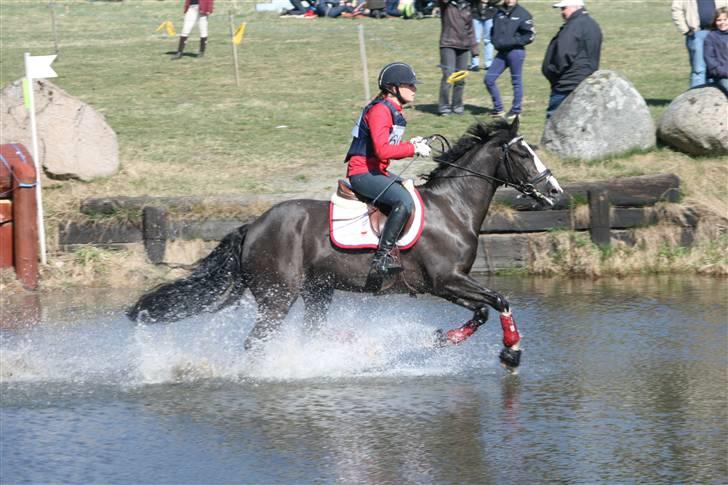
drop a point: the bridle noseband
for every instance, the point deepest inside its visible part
(526, 188)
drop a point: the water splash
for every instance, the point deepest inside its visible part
(359, 339)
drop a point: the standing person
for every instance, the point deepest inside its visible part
(457, 43)
(573, 54)
(693, 19)
(716, 50)
(483, 12)
(377, 140)
(196, 11)
(512, 32)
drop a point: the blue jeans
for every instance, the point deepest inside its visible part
(513, 60)
(555, 100)
(483, 30)
(694, 42)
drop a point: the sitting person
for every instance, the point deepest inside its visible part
(377, 139)
(715, 50)
(298, 8)
(334, 8)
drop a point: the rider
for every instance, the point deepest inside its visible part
(376, 141)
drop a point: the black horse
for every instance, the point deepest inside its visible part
(287, 253)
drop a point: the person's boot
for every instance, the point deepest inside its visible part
(386, 259)
(203, 46)
(180, 48)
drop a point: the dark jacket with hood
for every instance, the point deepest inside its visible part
(715, 51)
(573, 54)
(512, 28)
(457, 25)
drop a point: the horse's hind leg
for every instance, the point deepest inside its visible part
(316, 299)
(272, 310)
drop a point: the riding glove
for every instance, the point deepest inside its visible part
(422, 148)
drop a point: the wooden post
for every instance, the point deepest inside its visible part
(155, 233)
(599, 217)
(364, 66)
(235, 49)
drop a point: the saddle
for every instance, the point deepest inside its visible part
(354, 223)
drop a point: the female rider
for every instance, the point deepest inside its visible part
(376, 141)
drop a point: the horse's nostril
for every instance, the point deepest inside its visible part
(554, 191)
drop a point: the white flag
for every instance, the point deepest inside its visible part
(39, 67)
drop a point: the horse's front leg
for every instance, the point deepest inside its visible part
(465, 291)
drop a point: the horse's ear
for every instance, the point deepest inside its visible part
(514, 126)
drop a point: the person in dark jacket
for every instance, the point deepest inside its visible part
(512, 32)
(715, 50)
(573, 54)
(483, 12)
(457, 42)
(196, 11)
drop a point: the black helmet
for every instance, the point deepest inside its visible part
(395, 74)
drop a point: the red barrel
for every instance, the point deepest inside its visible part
(15, 160)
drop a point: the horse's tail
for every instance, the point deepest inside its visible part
(216, 281)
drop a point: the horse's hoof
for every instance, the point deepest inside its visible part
(511, 358)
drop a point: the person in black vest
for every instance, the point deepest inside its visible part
(512, 32)
(377, 138)
(573, 54)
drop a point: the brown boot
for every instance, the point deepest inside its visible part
(180, 48)
(203, 46)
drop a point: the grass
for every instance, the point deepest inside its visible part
(185, 128)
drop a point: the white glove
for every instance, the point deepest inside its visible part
(422, 149)
(416, 139)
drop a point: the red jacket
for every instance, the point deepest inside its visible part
(379, 120)
(205, 6)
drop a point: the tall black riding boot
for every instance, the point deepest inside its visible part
(203, 46)
(180, 48)
(386, 261)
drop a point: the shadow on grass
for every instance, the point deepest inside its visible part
(470, 109)
(184, 54)
(657, 102)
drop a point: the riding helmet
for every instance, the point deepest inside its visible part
(396, 74)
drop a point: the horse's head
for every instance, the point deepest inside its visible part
(523, 170)
(497, 153)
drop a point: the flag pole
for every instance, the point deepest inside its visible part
(235, 49)
(36, 160)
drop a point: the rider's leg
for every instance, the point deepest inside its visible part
(388, 195)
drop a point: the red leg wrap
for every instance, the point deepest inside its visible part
(459, 335)
(510, 332)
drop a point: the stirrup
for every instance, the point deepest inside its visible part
(386, 263)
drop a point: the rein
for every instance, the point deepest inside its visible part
(526, 188)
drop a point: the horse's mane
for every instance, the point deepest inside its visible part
(478, 133)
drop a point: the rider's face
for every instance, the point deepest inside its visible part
(407, 91)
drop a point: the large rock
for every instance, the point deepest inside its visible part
(696, 122)
(74, 140)
(605, 115)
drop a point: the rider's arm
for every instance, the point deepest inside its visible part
(379, 120)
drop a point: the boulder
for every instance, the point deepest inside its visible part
(696, 122)
(605, 115)
(74, 140)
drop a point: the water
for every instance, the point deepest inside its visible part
(621, 381)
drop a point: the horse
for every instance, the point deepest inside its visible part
(286, 252)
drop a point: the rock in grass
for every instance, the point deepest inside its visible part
(696, 122)
(74, 139)
(604, 116)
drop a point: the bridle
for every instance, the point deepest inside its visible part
(527, 188)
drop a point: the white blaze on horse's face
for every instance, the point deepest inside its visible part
(552, 188)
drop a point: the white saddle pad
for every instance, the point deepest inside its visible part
(350, 228)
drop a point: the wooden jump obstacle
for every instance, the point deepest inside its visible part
(18, 214)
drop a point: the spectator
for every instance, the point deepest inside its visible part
(196, 11)
(716, 50)
(298, 8)
(483, 12)
(512, 32)
(693, 19)
(573, 53)
(333, 8)
(377, 139)
(457, 42)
